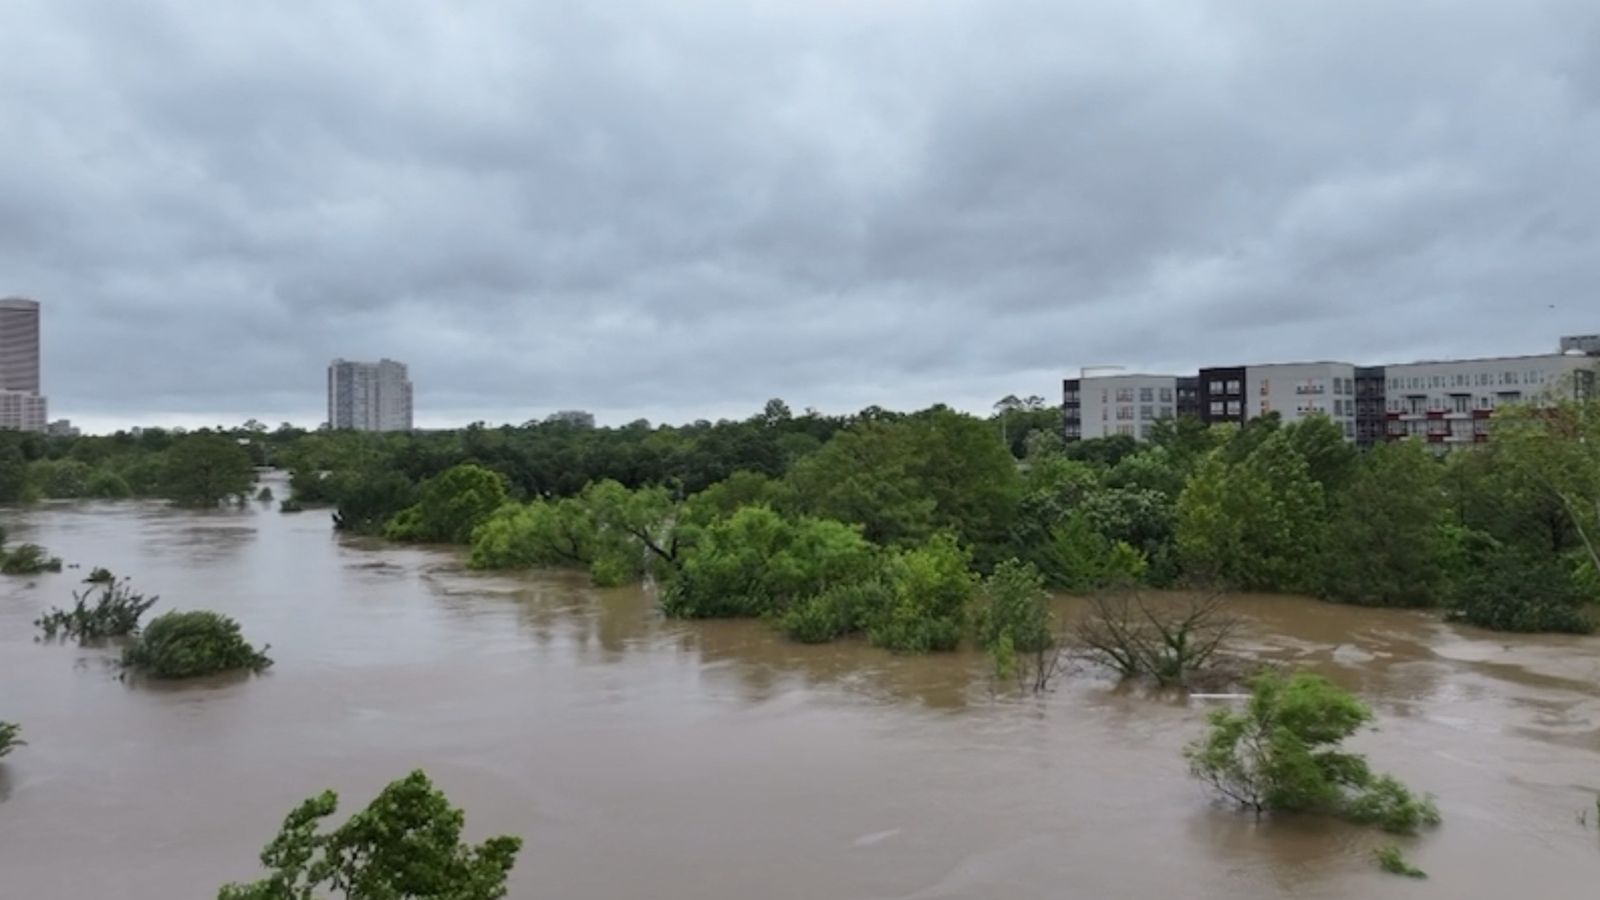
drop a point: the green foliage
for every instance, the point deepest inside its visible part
(190, 645)
(14, 482)
(104, 484)
(1391, 860)
(114, 612)
(99, 575)
(206, 468)
(931, 589)
(406, 845)
(450, 506)
(265, 494)
(757, 562)
(9, 739)
(1385, 544)
(838, 610)
(291, 505)
(1388, 804)
(1254, 524)
(367, 498)
(904, 480)
(60, 478)
(1080, 559)
(1015, 624)
(27, 559)
(1282, 753)
(1510, 589)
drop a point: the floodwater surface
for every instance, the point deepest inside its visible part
(644, 758)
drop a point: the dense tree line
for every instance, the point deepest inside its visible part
(883, 523)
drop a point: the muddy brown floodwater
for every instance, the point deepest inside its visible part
(648, 759)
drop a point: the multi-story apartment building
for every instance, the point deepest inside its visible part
(1371, 414)
(22, 411)
(365, 396)
(1445, 402)
(1297, 390)
(1222, 395)
(1451, 401)
(1102, 405)
(21, 405)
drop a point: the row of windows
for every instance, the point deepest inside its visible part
(1146, 395)
(1225, 387)
(1459, 403)
(1230, 408)
(1465, 379)
(1146, 412)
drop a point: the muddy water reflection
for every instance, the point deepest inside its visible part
(644, 758)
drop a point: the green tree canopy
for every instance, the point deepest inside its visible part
(406, 845)
(205, 468)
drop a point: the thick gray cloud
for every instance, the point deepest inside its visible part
(676, 208)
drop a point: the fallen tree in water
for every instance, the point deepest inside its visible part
(1164, 639)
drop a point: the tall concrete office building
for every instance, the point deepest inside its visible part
(365, 396)
(22, 407)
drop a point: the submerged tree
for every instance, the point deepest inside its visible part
(8, 737)
(1016, 626)
(1283, 753)
(1169, 641)
(205, 468)
(192, 644)
(114, 611)
(406, 845)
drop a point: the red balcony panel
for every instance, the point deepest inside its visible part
(1435, 413)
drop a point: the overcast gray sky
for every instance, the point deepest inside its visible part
(676, 209)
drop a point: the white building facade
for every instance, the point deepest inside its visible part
(365, 396)
(22, 411)
(1451, 401)
(1297, 390)
(1119, 404)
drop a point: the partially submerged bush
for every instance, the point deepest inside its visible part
(115, 612)
(100, 575)
(192, 644)
(265, 494)
(1282, 754)
(28, 559)
(8, 737)
(1391, 860)
(291, 505)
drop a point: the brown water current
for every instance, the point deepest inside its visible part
(644, 758)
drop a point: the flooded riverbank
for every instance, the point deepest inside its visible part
(642, 758)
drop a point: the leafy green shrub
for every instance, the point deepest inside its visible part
(1078, 558)
(1510, 591)
(1282, 753)
(610, 571)
(1388, 804)
(291, 505)
(265, 494)
(104, 484)
(450, 506)
(932, 589)
(1391, 860)
(28, 559)
(8, 737)
(192, 644)
(100, 575)
(115, 612)
(757, 562)
(1016, 626)
(406, 844)
(838, 610)
(367, 498)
